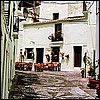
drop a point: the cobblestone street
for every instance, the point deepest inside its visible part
(50, 85)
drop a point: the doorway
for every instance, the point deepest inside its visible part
(55, 54)
(39, 52)
(77, 56)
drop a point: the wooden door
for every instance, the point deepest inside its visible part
(55, 54)
(77, 56)
(39, 52)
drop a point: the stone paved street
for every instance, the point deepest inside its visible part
(50, 85)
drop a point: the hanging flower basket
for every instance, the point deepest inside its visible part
(62, 54)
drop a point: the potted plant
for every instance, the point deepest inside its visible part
(91, 72)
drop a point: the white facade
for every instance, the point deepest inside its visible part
(97, 39)
(39, 34)
(64, 8)
(75, 33)
(8, 47)
(97, 30)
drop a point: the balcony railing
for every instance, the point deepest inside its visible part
(6, 7)
(16, 24)
(15, 27)
(4, 15)
(56, 37)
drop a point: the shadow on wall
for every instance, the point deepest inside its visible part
(66, 59)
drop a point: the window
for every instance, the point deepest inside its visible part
(6, 5)
(29, 53)
(15, 20)
(20, 51)
(58, 27)
(10, 27)
(84, 6)
(16, 24)
(58, 32)
(9, 12)
(55, 16)
(25, 12)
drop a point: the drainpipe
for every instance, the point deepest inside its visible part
(94, 61)
(85, 65)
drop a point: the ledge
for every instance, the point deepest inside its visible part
(56, 43)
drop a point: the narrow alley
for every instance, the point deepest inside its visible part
(50, 49)
(50, 85)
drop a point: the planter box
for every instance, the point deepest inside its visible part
(92, 83)
(97, 90)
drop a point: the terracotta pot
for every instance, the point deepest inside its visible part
(92, 83)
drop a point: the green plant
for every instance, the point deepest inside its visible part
(91, 71)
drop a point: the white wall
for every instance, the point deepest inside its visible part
(65, 10)
(75, 34)
(92, 13)
(7, 54)
(39, 34)
(97, 31)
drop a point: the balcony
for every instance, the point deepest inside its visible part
(56, 39)
(16, 24)
(15, 27)
(56, 44)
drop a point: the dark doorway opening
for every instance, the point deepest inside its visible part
(39, 52)
(58, 27)
(77, 56)
(55, 54)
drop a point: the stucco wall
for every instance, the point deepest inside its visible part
(67, 9)
(7, 53)
(75, 34)
(97, 31)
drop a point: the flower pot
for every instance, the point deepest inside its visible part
(92, 83)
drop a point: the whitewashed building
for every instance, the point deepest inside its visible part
(78, 30)
(97, 30)
(9, 36)
(97, 39)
